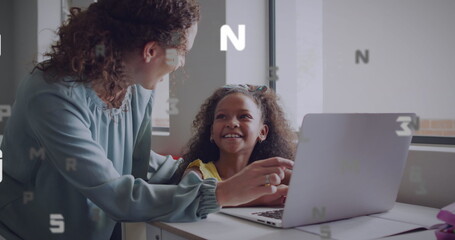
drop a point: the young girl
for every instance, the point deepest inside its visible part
(236, 126)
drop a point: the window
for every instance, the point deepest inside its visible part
(369, 56)
(161, 109)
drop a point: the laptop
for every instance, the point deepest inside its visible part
(346, 165)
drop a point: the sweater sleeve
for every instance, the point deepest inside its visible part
(161, 168)
(62, 128)
(158, 168)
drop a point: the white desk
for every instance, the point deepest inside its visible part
(221, 226)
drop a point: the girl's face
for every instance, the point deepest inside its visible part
(237, 125)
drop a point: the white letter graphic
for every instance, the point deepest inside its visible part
(57, 223)
(226, 32)
(406, 131)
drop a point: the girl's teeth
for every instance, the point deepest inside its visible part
(231, 136)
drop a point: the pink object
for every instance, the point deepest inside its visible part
(447, 214)
(444, 235)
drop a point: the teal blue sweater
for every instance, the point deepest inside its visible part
(65, 153)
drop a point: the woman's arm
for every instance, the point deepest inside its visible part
(195, 170)
(62, 129)
(287, 176)
(276, 199)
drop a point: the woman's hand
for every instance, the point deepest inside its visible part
(251, 183)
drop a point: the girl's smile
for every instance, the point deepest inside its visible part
(237, 125)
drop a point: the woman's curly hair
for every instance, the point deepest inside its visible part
(280, 141)
(93, 44)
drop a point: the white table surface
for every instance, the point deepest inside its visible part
(221, 226)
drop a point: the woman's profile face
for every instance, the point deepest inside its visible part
(174, 59)
(163, 61)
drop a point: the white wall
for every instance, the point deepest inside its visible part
(411, 66)
(251, 64)
(299, 57)
(286, 59)
(49, 19)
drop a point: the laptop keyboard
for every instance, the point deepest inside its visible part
(277, 214)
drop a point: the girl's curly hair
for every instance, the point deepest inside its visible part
(280, 141)
(93, 44)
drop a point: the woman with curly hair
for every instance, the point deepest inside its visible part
(76, 150)
(236, 126)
